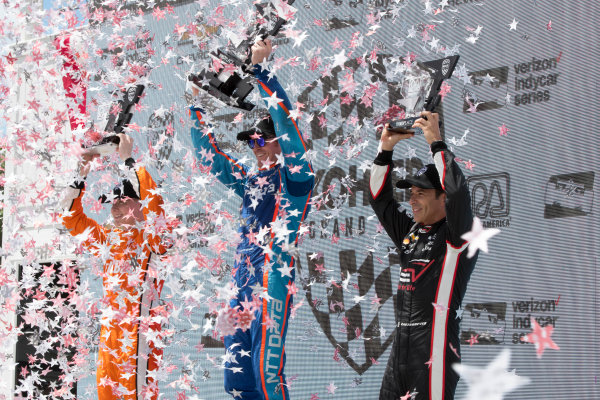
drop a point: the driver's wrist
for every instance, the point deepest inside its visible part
(81, 171)
(387, 146)
(433, 139)
(437, 145)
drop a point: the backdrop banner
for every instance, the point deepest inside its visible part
(516, 112)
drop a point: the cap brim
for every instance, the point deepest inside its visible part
(411, 181)
(246, 135)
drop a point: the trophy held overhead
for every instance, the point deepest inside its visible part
(116, 123)
(232, 87)
(421, 91)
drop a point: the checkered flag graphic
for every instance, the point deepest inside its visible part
(342, 320)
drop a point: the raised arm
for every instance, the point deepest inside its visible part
(290, 137)
(226, 168)
(458, 200)
(73, 216)
(146, 189)
(381, 193)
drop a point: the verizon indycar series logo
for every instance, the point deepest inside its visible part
(483, 323)
(569, 195)
(487, 90)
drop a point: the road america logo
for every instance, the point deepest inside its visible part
(343, 320)
(490, 199)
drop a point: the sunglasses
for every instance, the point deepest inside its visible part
(253, 142)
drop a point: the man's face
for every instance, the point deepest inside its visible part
(126, 211)
(267, 154)
(427, 209)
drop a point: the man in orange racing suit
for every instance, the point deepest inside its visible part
(131, 328)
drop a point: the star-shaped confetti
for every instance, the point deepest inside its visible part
(492, 382)
(478, 237)
(541, 337)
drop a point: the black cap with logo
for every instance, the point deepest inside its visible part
(125, 189)
(426, 178)
(264, 128)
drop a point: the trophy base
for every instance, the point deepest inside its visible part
(405, 126)
(227, 87)
(105, 147)
(102, 149)
(216, 91)
(222, 97)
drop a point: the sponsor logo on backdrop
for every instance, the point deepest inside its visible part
(569, 195)
(456, 3)
(135, 50)
(485, 321)
(342, 319)
(161, 133)
(490, 199)
(369, 5)
(539, 309)
(335, 23)
(362, 343)
(136, 5)
(487, 91)
(192, 57)
(533, 81)
(340, 14)
(45, 252)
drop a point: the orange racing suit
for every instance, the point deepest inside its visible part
(130, 323)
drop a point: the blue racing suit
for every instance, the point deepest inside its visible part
(275, 201)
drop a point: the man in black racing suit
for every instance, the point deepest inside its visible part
(434, 266)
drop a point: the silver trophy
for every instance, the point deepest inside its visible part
(420, 91)
(232, 87)
(116, 123)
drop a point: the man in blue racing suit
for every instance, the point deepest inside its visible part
(275, 201)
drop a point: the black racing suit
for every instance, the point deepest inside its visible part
(433, 279)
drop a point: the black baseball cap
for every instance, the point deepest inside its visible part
(125, 189)
(264, 128)
(426, 178)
